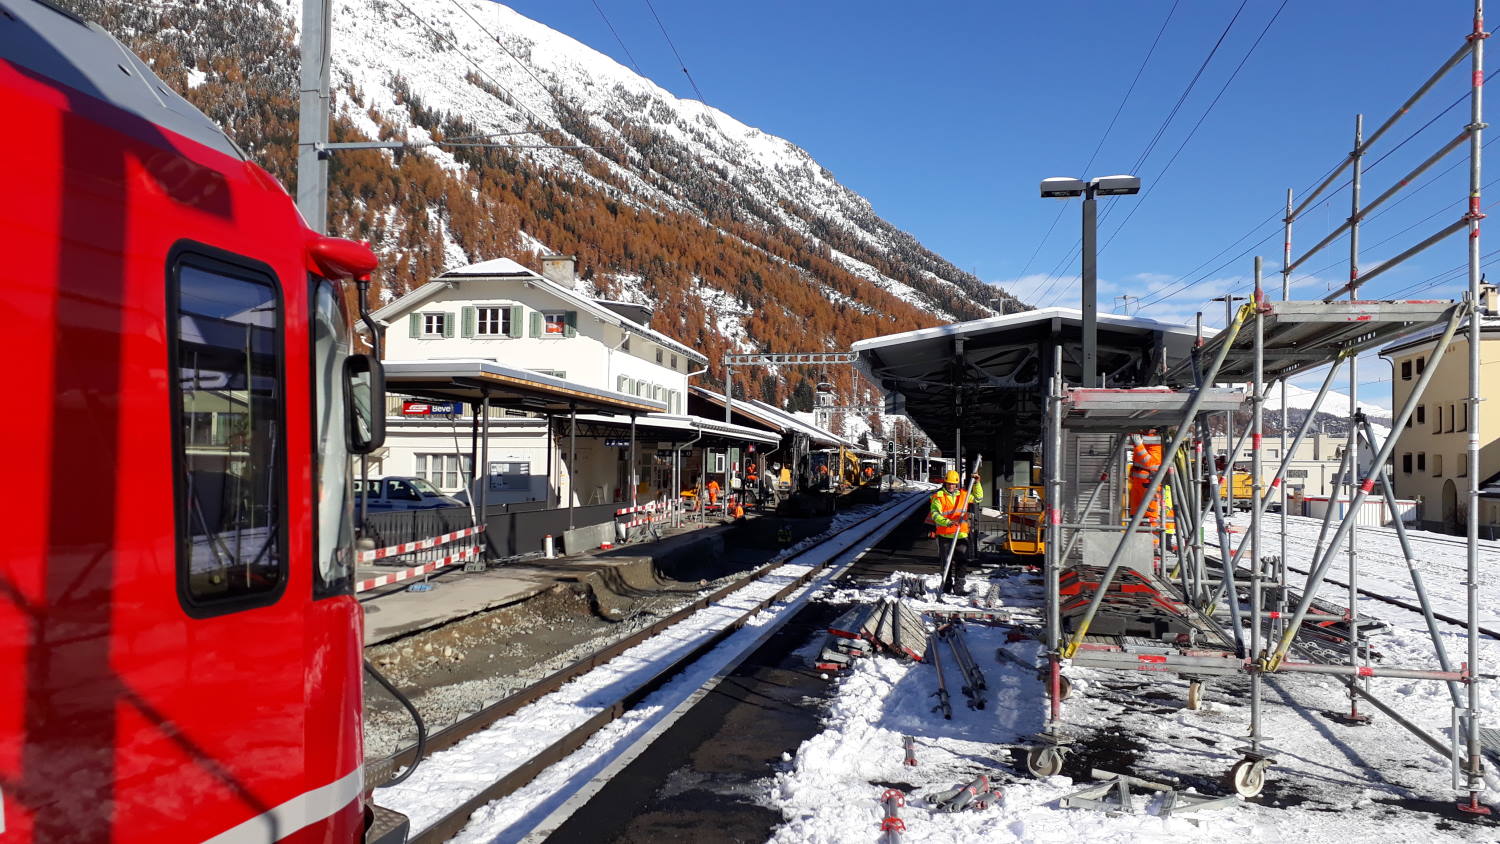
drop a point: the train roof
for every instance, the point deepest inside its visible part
(49, 42)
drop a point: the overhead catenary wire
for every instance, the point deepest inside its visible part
(1170, 292)
(536, 119)
(680, 63)
(1054, 277)
(618, 39)
(1135, 206)
(513, 56)
(1107, 129)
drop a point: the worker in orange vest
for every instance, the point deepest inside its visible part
(948, 513)
(713, 492)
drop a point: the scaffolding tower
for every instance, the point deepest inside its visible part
(1159, 587)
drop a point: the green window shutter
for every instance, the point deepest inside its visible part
(536, 323)
(447, 325)
(414, 322)
(469, 317)
(572, 318)
(515, 321)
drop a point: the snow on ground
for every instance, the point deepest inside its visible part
(446, 780)
(1330, 783)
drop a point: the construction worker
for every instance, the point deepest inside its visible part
(713, 493)
(949, 515)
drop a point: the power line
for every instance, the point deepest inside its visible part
(513, 56)
(1135, 206)
(620, 40)
(680, 62)
(1192, 83)
(536, 120)
(1099, 146)
(1054, 277)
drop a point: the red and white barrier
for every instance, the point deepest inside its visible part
(419, 545)
(418, 571)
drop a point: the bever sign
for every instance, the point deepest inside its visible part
(422, 408)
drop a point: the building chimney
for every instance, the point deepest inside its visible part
(1489, 299)
(558, 269)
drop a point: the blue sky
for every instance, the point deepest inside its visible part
(947, 115)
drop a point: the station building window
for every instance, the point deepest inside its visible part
(444, 471)
(432, 325)
(491, 321)
(229, 432)
(1406, 463)
(1421, 461)
(1406, 370)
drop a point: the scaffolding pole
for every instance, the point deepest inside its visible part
(1475, 41)
(1357, 168)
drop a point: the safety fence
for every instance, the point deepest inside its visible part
(445, 550)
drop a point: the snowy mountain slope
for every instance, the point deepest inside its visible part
(737, 238)
(659, 150)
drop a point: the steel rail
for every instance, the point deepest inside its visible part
(1397, 602)
(453, 822)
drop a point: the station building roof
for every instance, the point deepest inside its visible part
(507, 386)
(987, 378)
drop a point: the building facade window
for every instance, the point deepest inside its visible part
(1437, 465)
(435, 325)
(660, 354)
(1421, 414)
(1421, 461)
(674, 363)
(444, 471)
(1406, 463)
(1421, 365)
(1406, 370)
(555, 323)
(492, 322)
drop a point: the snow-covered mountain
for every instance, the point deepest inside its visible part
(503, 73)
(740, 239)
(1333, 414)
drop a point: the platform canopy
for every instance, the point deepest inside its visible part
(673, 428)
(987, 378)
(506, 386)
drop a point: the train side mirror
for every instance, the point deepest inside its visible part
(364, 395)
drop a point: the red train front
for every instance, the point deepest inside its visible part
(180, 648)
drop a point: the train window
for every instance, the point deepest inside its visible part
(229, 433)
(333, 572)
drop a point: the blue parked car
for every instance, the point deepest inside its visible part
(399, 493)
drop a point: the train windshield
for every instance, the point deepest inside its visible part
(335, 529)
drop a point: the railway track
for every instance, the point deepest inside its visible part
(624, 699)
(1387, 599)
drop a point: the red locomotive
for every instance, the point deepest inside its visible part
(180, 647)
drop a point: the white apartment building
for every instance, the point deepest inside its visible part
(501, 312)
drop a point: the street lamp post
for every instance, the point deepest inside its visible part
(1064, 188)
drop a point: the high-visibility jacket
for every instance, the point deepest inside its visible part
(949, 513)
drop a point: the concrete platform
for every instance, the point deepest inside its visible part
(614, 579)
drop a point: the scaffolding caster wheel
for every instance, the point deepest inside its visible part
(1248, 776)
(1195, 694)
(1045, 761)
(1064, 685)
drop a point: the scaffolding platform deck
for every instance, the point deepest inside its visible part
(1105, 409)
(1304, 335)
